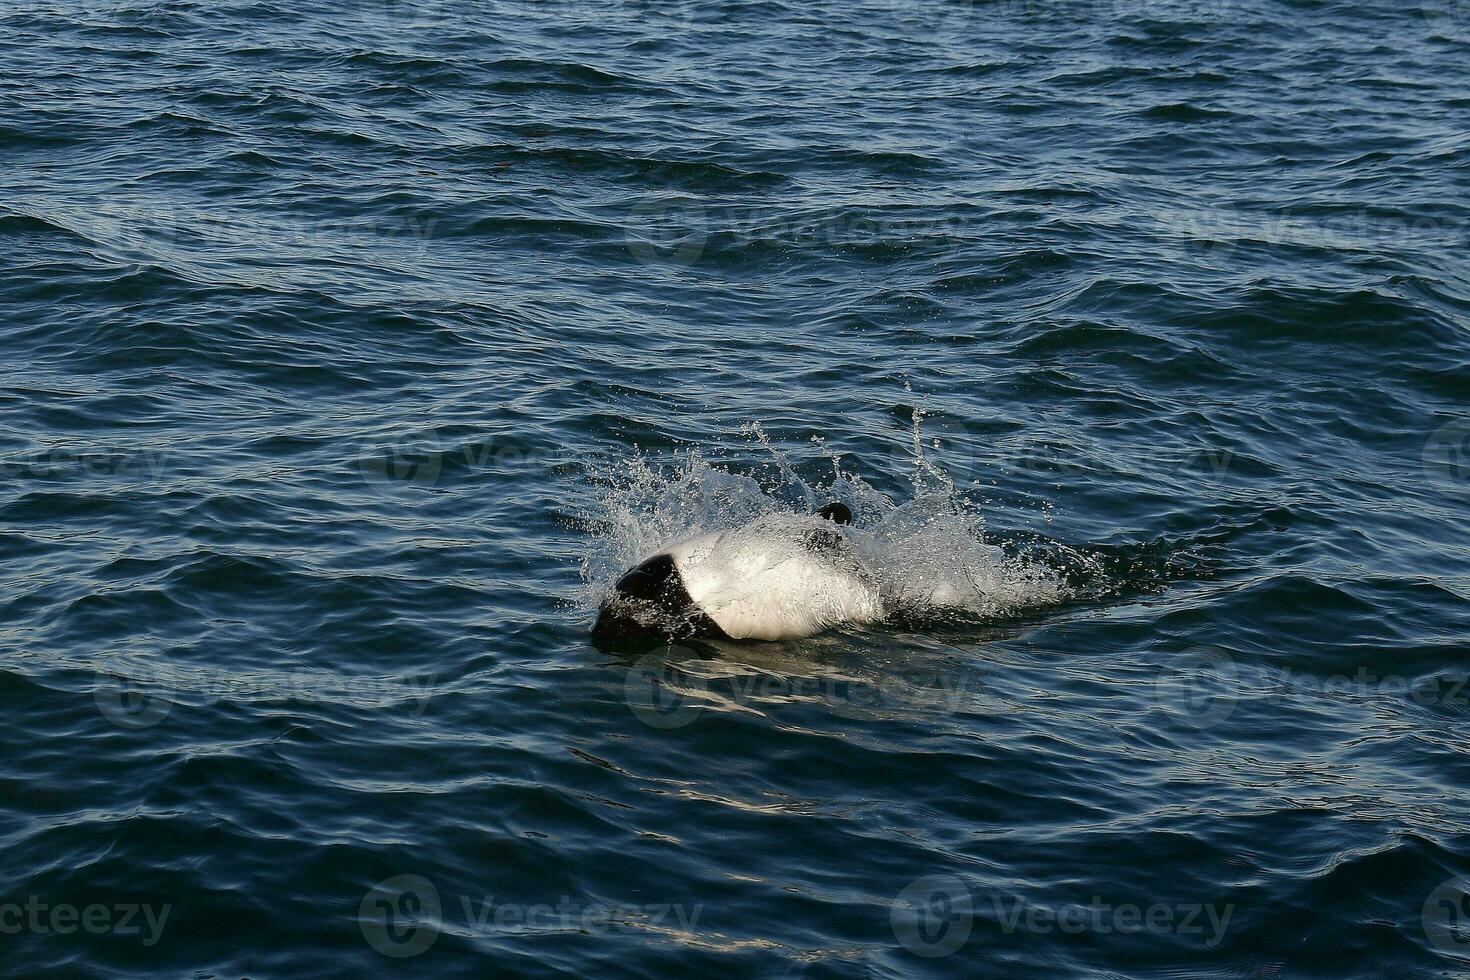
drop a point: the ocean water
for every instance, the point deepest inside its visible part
(352, 349)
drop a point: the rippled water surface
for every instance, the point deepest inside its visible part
(351, 351)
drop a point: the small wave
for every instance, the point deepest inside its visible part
(1183, 112)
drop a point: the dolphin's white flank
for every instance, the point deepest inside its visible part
(775, 578)
(764, 582)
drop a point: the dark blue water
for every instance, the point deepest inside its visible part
(350, 349)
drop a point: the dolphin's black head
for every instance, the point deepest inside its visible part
(652, 599)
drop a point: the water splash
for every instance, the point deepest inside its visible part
(930, 553)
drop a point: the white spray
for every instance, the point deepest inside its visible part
(928, 557)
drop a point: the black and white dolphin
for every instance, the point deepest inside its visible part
(773, 579)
